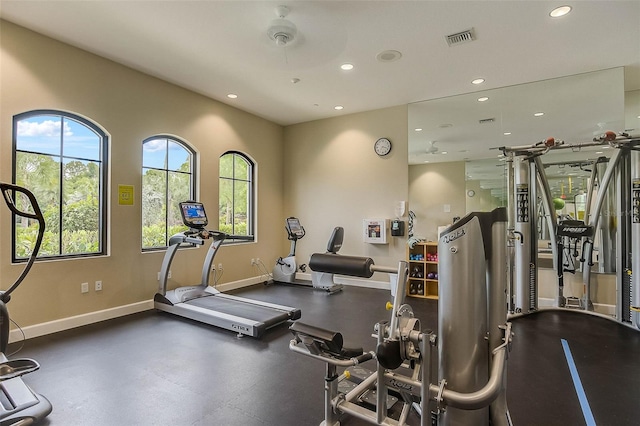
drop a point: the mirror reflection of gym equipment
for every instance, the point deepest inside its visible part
(613, 231)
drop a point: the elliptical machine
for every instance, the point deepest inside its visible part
(20, 406)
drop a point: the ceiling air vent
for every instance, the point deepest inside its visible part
(461, 37)
(486, 120)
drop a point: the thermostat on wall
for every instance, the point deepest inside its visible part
(375, 231)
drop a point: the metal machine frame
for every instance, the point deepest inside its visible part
(21, 405)
(472, 343)
(617, 178)
(208, 305)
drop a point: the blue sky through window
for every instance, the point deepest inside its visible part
(42, 134)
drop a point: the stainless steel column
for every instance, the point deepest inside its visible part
(463, 350)
(635, 238)
(522, 227)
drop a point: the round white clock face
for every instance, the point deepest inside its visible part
(382, 146)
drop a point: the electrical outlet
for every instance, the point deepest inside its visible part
(98, 285)
(253, 261)
(169, 274)
(84, 287)
(220, 266)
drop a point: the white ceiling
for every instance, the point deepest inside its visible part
(221, 47)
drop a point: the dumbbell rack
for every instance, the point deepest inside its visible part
(420, 268)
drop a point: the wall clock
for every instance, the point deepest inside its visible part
(382, 147)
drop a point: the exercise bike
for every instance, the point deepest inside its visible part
(20, 405)
(284, 272)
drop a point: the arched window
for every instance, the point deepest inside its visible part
(236, 194)
(168, 178)
(62, 158)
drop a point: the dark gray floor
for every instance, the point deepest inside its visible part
(155, 369)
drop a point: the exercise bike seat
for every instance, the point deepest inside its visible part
(319, 340)
(17, 367)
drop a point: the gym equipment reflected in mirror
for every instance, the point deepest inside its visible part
(472, 128)
(467, 128)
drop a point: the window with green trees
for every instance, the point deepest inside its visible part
(62, 158)
(236, 194)
(168, 178)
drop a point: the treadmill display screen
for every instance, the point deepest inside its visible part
(193, 214)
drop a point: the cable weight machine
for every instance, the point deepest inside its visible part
(617, 197)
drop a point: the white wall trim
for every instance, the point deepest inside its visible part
(63, 324)
(601, 308)
(355, 282)
(50, 327)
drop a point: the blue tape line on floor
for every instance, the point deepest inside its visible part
(582, 397)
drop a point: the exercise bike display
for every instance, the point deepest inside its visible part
(284, 272)
(204, 303)
(20, 405)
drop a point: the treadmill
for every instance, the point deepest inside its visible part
(204, 303)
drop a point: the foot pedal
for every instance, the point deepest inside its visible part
(17, 367)
(369, 397)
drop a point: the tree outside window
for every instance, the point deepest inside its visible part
(168, 178)
(61, 158)
(236, 194)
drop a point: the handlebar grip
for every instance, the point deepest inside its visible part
(364, 357)
(6, 188)
(240, 237)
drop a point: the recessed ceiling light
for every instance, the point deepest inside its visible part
(232, 96)
(477, 81)
(560, 11)
(539, 114)
(445, 125)
(418, 129)
(346, 67)
(482, 99)
(598, 152)
(506, 133)
(444, 152)
(388, 56)
(338, 107)
(639, 116)
(426, 161)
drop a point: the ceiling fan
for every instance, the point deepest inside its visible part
(432, 148)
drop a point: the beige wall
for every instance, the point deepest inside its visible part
(38, 72)
(334, 178)
(325, 172)
(431, 188)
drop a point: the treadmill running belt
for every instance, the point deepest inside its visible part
(268, 316)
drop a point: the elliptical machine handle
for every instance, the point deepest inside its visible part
(7, 188)
(9, 199)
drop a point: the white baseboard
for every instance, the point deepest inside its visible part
(355, 282)
(600, 308)
(79, 320)
(50, 327)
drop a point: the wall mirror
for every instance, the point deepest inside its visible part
(470, 128)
